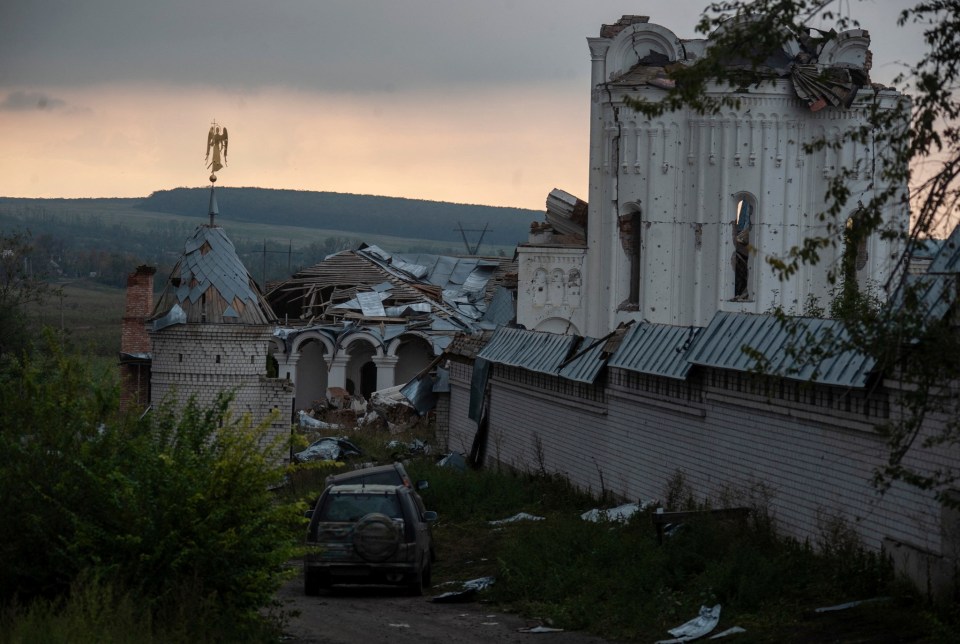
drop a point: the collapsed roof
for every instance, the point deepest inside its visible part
(389, 293)
(826, 68)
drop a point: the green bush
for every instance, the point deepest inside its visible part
(173, 509)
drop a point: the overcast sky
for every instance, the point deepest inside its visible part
(473, 102)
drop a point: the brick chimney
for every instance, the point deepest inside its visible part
(135, 341)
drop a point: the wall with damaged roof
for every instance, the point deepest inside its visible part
(805, 452)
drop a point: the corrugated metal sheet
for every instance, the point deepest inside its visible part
(421, 393)
(947, 259)
(371, 304)
(934, 296)
(501, 309)
(727, 340)
(532, 350)
(587, 361)
(656, 349)
(938, 289)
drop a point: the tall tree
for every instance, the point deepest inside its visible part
(21, 284)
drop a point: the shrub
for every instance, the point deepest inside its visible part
(174, 508)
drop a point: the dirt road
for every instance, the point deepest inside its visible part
(366, 615)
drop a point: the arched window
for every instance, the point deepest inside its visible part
(743, 237)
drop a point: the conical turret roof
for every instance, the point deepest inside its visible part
(210, 284)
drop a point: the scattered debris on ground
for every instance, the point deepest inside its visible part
(621, 513)
(468, 591)
(328, 448)
(520, 516)
(454, 460)
(697, 627)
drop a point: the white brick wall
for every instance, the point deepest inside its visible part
(811, 463)
(202, 360)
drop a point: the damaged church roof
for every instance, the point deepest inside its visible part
(825, 69)
(209, 284)
(370, 287)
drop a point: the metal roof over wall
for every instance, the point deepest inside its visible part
(586, 362)
(531, 350)
(723, 342)
(937, 291)
(568, 356)
(656, 349)
(731, 341)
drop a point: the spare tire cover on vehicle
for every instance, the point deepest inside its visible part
(376, 537)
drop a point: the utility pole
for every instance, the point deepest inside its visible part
(472, 250)
(263, 269)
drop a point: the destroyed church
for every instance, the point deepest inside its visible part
(612, 352)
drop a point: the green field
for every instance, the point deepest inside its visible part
(87, 317)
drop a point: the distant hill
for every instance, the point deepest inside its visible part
(354, 214)
(275, 232)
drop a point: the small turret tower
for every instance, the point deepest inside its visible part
(211, 328)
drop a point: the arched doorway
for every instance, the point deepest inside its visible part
(368, 379)
(361, 370)
(414, 354)
(311, 374)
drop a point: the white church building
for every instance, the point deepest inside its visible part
(685, 210)
(626, 366)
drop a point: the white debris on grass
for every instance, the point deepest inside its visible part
(697, 627)
(310, 422)
(540, 629)
(829, 609)
(478, 584)
(620, 513)
(520, 516)
(733, 630)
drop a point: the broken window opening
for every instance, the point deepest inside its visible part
(629, 227)
(743, 250)
(854, 257)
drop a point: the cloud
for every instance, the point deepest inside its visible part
(23, 101)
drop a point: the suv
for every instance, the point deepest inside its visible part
(368, 534)
(392, 474)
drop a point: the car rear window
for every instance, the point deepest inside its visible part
(389, 477)
(351, 507)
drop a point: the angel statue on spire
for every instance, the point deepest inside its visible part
(217, 145)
